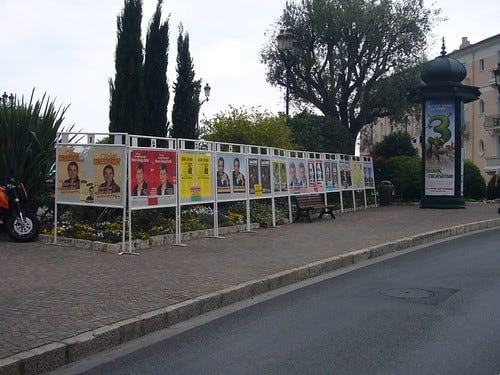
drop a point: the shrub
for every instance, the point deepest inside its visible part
(405, 172)
(474, 184)
(491, 192)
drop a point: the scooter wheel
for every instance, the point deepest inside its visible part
(23, 230)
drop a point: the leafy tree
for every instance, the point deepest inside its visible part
(126, 91)
(28, 132)
(474, 183)
(345, 51)
(249, 126)
(155, 77)
(187, 93)
(394, 144)
(320, 133)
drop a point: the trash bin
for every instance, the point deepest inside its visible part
(385, 189)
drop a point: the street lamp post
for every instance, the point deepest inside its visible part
(286, 45)
(206, 91)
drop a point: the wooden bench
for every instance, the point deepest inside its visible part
(308, 204)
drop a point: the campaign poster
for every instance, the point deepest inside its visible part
(316, 176)
(328, 175)
(265, 175)
(195, 177)
(358, 180)
(189, 191)
(253, 174)
(297, 176)
(311, 174)
(222, 177)
(368, 174)
(204, 175)
(279, 176)
(70, 168)
(439, 147)
(153, 177)
(238, 175)
(109, 174)
(331, 175)
(345, 174)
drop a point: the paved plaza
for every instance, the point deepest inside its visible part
(51, 293)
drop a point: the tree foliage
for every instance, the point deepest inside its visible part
(127, 90)
(156, 92)
(28, 132)
(249, 126)
(394, 144)
(320, 134)
(187, 93)
(345, 52)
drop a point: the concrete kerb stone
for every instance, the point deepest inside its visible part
(54, 355)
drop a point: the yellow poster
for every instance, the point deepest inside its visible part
(358, 180)
(203, 174)
(188, 189)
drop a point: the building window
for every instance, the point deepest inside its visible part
(481, 65)
(482, 147)
(481, 107)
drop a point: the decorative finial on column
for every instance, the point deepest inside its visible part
(443, 49)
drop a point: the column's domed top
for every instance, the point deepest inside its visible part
(443, 69)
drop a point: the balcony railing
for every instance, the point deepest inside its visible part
(492, 163)
(492, 122)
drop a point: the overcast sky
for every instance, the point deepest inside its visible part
(65, 48)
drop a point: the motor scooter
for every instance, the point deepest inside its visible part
(21, 225)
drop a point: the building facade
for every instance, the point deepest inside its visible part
(481, 128)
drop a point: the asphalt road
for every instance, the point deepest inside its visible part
(431, 311)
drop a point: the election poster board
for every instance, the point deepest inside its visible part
(345, 172)
(195, 177)
(153, 178)
(231, 176)
(91, 174)
(439, 175)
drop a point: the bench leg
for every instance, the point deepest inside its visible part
(310, 215)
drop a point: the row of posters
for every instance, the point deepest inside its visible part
(96, 174)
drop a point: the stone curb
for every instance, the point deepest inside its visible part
(54, 355)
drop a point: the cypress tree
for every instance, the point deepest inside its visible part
(126, 91)
(187, 93)
(155, 76)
